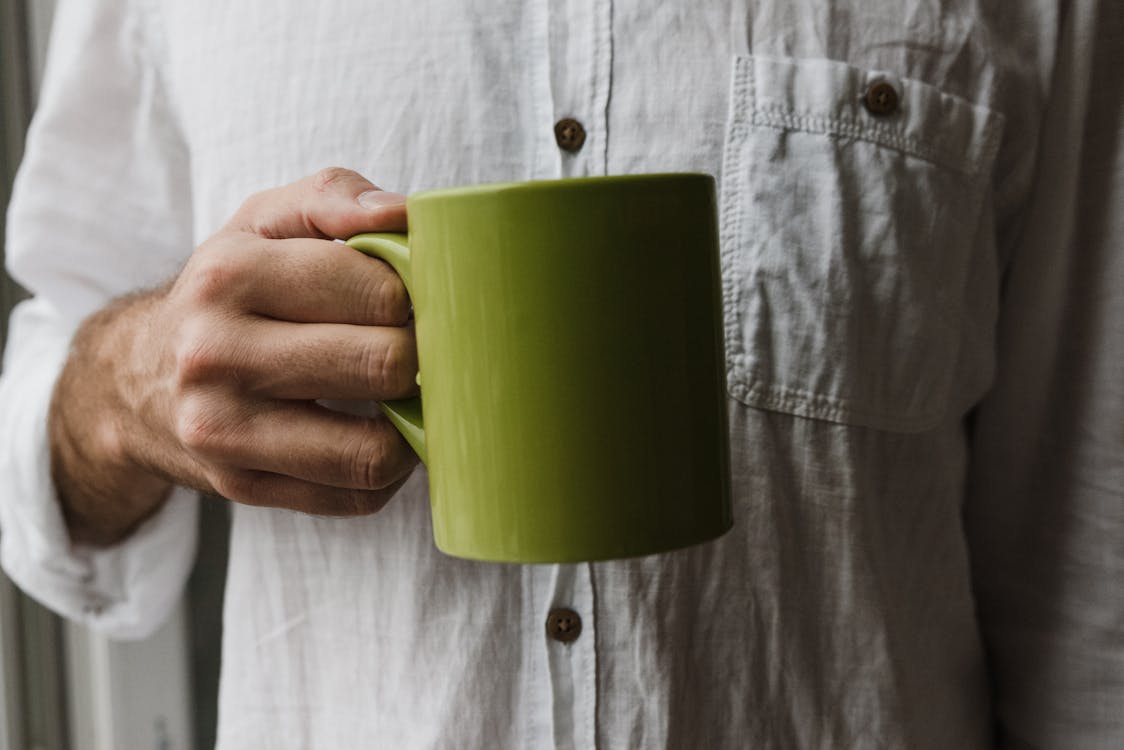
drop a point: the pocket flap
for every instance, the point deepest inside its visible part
(825, 96)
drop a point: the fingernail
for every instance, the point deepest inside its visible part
(380, 199)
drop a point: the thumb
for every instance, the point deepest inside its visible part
(334, 203)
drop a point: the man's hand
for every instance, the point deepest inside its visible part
(211, 382)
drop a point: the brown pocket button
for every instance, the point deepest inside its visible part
(569, 134)
(563, 625)
(881, 99)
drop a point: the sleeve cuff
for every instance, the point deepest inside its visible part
(124, 591)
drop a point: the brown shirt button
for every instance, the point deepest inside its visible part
(881, 99)
(569, 134)
(563, 625)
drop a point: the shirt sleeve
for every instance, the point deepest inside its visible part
(1045, 503)
(100, 207)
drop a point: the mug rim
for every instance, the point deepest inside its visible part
(556, 183)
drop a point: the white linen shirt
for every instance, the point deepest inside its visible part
(924, 330)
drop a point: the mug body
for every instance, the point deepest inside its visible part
(571, 366)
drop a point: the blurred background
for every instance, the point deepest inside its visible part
(64, 687)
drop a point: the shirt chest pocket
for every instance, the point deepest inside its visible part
(850, 203)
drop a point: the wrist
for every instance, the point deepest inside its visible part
(104, 487)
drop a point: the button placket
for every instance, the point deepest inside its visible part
(571, 655)
(545, 161)
(581, 64)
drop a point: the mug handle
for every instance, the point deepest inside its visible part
(405, 414)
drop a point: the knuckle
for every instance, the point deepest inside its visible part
(324, 179)
(215, 276)
(239, 486)
(198, 355)
(366, 463)
(254, 206)
(393, 302)
(197, 426)
(390, 367)
(400, 367)
(253, 203)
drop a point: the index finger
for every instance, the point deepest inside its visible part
(334, 203)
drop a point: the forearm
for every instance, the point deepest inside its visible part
(104, 490)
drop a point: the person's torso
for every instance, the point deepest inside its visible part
(860, 281)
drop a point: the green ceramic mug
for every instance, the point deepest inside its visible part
(571, 365)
